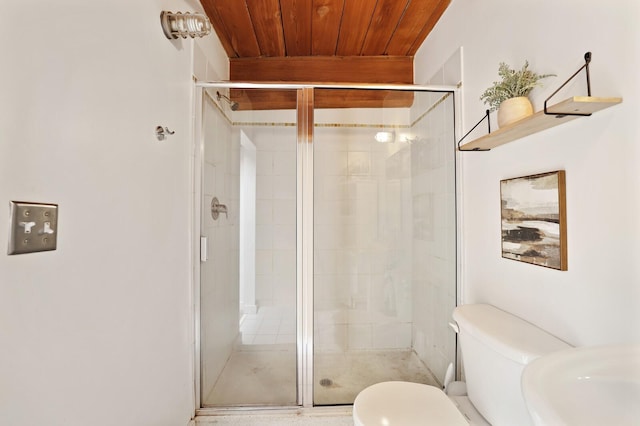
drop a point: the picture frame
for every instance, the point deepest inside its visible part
(534, 219)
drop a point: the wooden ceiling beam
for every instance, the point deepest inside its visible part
(328, 69)
(261, 99)
(323, 69)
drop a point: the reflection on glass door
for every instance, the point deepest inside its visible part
(248, 282)
(384, 244)
(380, 208)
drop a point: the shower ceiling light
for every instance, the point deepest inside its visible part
(184, 25)
(385, 137)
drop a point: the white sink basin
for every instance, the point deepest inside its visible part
(597, 386)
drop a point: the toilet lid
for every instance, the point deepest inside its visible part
(405, 404)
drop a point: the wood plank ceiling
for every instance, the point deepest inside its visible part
(347, 41)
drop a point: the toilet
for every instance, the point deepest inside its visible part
(495, 347)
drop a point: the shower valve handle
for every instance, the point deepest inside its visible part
(217, 208)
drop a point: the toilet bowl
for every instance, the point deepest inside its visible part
(495, 347)
(405, 404)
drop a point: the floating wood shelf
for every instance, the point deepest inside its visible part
(541, 121)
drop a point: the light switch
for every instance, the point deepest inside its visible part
(34, 227)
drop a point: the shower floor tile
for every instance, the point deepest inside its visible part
(257, 375)
(344, 375)
(266, 375)
(271, 324)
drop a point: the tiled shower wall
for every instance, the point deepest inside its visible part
(384, 255)
(275, 215)
(361, 265)
(384, 250)
(434, 236)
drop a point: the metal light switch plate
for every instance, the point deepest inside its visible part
(34, 227)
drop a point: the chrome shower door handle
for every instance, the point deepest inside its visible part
(217, 208)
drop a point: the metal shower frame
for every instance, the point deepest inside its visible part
(304, 281)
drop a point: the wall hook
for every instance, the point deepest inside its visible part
(163, 132)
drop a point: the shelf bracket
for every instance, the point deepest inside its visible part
(486, 117)
(587, 60)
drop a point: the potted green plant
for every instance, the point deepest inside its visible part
(510, 95)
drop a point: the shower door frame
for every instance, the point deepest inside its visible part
(304, 224)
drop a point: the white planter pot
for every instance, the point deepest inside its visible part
(514, 109)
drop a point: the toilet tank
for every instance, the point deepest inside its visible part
(495, 347)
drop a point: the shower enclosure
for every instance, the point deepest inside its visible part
(331, 264)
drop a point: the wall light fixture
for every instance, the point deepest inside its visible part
(184, 25)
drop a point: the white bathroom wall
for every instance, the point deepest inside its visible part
(597, 300)
(99, 330)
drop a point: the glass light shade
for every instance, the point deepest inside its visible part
(184, 25)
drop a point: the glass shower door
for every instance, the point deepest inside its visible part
(285, 321)
(248, 283)
(384, 244)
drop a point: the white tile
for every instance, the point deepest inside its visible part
(265, 339)
(360, 336)
(264, 163)
(324, 262)
(322, 288)
(264, 262)
(269, 326)
(264, 289)
(284, 212)
(359, 163)
(264, 237)
(328, 237)
(247, 339)
(282, 139)
(284, 237)
(284, 163)
(249, 326)
(331, 188)
(284, 187)
(221, 181)
(285, 338)
(330, 163)
(270, 313)
(264, 212)
(264, 188)
(331, 338)
(287, 327)
(330, 212)
(392, 336)
(284, 289)
(284, 262)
